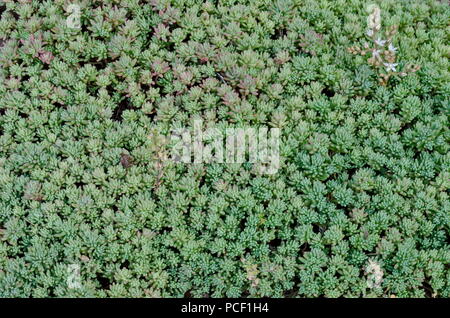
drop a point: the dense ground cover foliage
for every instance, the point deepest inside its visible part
(359, 207)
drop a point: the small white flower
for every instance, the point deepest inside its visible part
(380, 42)
(370, 33)
(392, 48)
(390, 66)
